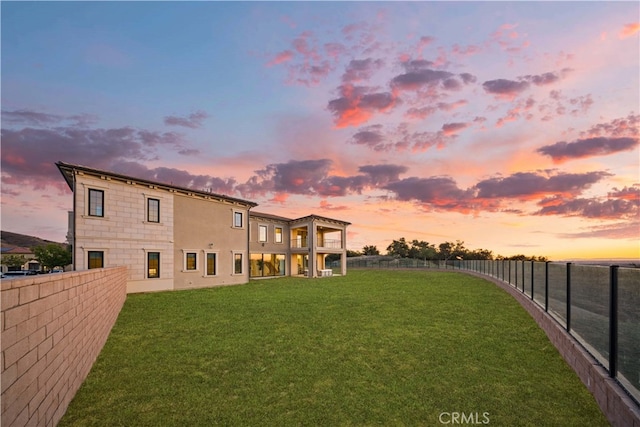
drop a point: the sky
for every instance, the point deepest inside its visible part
(510, 126)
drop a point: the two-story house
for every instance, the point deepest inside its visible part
(173, 237)
(297, 247)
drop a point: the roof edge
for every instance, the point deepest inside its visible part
(68, 170)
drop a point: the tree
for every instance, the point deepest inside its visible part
(521, 257)
(14, 261)
(398, 248)
(449, 250)
(370, 250)
(422, 250)
(52, 255)
(480, 254)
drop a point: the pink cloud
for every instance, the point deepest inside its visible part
(450, 106)
(453, 128)
(324, 205)
(357, 104)
(611, 208)
(629, 30)
(466, 50)
(423, 42)
(359, 70)
(193, 120)
(503, 88)
(281, 58)
(419, 113)
(521, 109)
(589, 147)
(531, 186)
(624, 126)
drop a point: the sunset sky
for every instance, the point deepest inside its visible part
(512, 126)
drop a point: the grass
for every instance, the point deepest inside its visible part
(370, 348)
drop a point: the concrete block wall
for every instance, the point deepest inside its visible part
(53, 328)
(615, 403)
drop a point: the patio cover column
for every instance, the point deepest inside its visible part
(313, 244)
(343, 255)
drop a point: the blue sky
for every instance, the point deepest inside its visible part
(510, 125)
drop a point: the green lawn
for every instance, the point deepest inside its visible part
(372, 348)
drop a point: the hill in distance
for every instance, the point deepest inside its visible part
(10, 239)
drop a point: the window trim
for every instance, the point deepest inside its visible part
(148, 254)
(215, 263)
(90, 190)
(185, 256)
(242, 219)
(242, 262)
(148, 209)
(89, 252)
(266, 233)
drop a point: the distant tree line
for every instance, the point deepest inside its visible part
(419, 249)
(49, 256)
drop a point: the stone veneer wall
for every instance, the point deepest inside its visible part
(616, 405)
(53, 328)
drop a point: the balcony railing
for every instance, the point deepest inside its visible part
(299, 243)
(330, 243)
(321, 243)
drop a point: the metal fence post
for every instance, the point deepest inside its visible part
(568, 297)
(523, 291)
(613, 321)
(546, 286)
(533, 265)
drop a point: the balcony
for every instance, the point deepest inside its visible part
(299, 243)
(322, 243)
(330, 243)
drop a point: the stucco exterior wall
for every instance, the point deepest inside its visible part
(270, 246)
(206, 226)
(53, 328)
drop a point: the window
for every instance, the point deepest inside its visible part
(211, 264)
(264, 265)
(237, 263)
(96, 202)
(278, 234)
(96, 259)
(190, 261)
(262, 233)
(153, 210)
(153, 265)
(238, 219)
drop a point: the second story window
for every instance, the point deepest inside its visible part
(278, 235)
(238, 219)
(153, 210)
(262, 233)
(96, 202)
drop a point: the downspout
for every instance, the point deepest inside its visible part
(248, 261)
(73, 225)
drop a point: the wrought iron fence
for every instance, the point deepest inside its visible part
(598, 305)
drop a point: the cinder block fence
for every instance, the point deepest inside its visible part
(53, 328)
